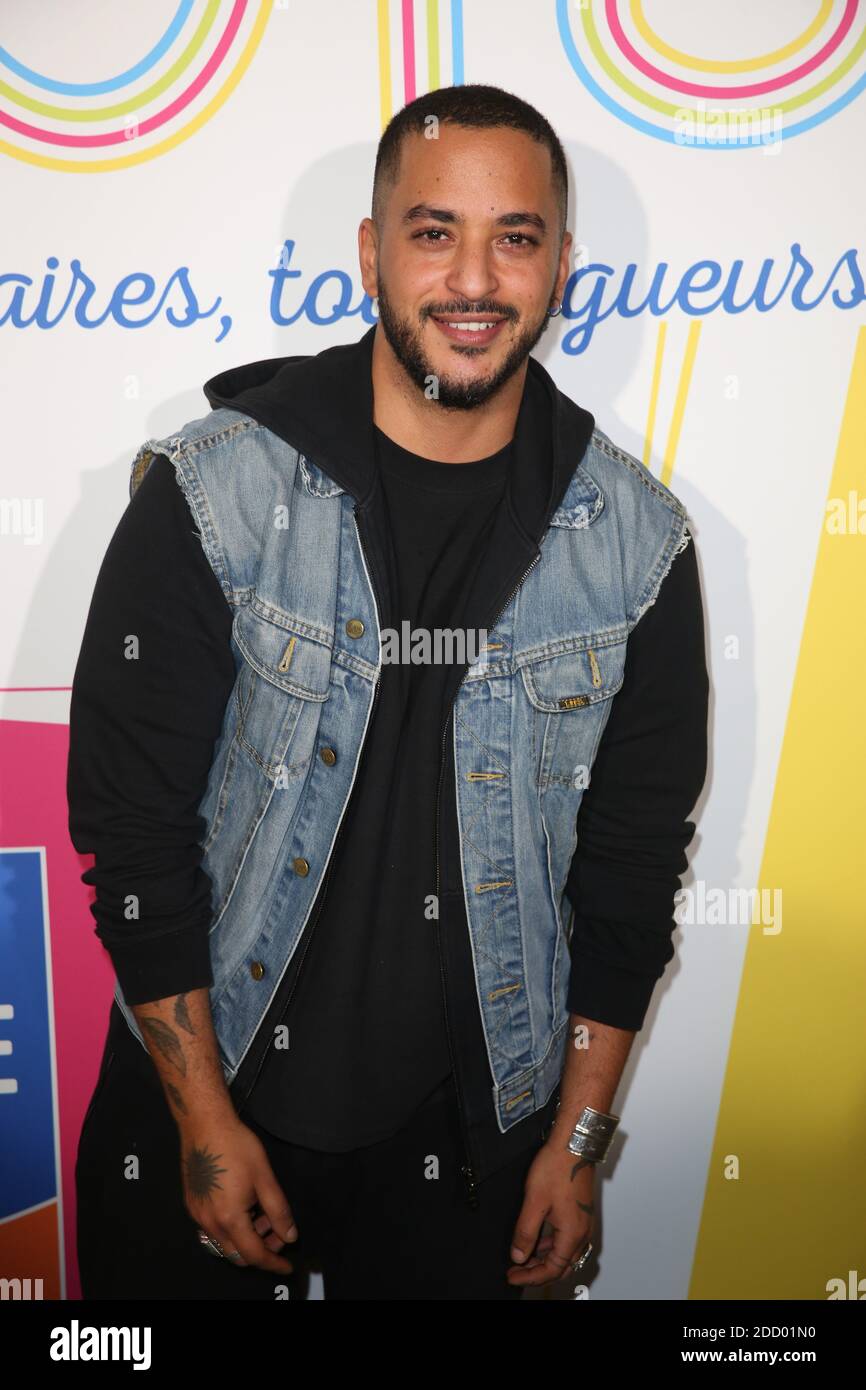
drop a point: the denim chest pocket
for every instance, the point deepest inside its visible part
(570, 695)
(282, 684)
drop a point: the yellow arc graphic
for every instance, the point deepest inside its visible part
(763, 60)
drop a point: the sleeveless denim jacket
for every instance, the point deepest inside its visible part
(282, 539)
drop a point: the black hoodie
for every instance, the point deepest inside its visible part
(632, 825)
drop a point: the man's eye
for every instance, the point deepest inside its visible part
(517, 239)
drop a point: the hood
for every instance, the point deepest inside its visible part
(322, 404)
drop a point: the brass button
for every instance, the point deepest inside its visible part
(257, 970)
(354, 627)
(301, 867)
(328, 756)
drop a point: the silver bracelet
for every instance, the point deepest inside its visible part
(592, 1135)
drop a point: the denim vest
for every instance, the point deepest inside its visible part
(282, 539)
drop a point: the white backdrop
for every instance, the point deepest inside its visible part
(287, 154)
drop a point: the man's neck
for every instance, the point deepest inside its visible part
(424, 427)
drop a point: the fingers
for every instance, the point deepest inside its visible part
(240, 1234)
(246, 1242)
(275, 1207)
(552, 1260)
(538, 1254)
(272, 1241)
(526, 1232)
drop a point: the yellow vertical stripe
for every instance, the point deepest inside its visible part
(793, 1105)
(680, 402)
(654, 393)
(384, 28)
(433, 44)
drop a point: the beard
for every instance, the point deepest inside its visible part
(454, 392)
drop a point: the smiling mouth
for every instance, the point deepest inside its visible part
(466, 329)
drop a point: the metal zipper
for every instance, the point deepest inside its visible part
(283, 1008)
(467, 1170)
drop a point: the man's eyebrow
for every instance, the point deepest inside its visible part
(425, 212)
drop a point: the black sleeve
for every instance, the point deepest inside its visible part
(142, 729)
(632, 825)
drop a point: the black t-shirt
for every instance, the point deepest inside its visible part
(366, 1027)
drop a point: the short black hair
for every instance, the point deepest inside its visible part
(471, 105)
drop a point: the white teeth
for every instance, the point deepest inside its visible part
(472, 327)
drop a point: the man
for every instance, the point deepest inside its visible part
(384, 928)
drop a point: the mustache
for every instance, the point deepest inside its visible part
(499, 311)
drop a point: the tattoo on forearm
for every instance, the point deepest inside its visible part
(165, 1038)
(201, 1172)
(176, 1097)
(581, 1163)
(181, 1014)
(588, 1207)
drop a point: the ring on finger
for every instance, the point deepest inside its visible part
(214, 1247)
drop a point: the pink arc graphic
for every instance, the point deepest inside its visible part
(752, 89)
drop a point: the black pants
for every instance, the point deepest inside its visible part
(372, 1220)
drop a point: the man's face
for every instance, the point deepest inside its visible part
(462, 244)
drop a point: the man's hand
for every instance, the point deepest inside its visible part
(228, 1184)
(559, 1192)
(227, 1176)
